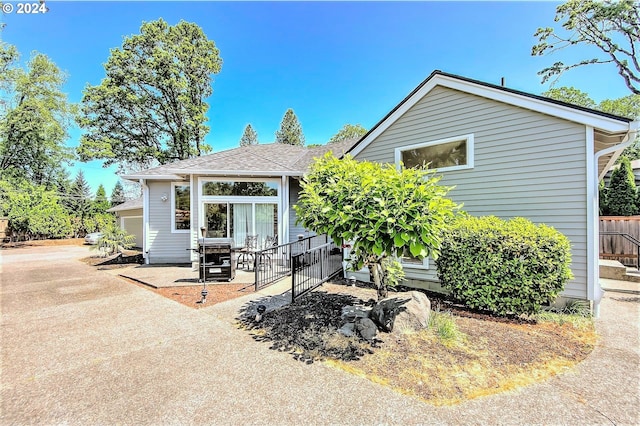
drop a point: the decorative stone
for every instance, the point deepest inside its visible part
(351, 313)
(405, 311)
(414, 315)
(348, 329)
(366, 328)
(384, 313)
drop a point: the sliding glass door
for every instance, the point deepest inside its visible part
(237, 220)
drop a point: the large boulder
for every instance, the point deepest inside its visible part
(407, 311)
(415, 315)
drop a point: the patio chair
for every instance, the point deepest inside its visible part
(246, 255)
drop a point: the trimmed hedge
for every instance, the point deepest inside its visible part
(506, 267)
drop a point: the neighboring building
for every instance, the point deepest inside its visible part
(508, 153)
(129, 217)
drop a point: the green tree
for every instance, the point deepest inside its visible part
(348, 131)
(603, 199)
(571, 95)
(117, 194)
(290, 131)
(385, 212)
(34, 121)
(33, 211)
(100, 203)
(628, 106)
(622, 190)
(610, 27)
(80, 203)
(151, 104)
(249, 136)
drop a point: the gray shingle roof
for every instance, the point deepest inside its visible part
(263, 159)
(127, 205)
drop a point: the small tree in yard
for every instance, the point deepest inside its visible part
(114, 240)
(385, 212)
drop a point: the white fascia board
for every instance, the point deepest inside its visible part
(583, 117)
(153, 177)
(223, 173)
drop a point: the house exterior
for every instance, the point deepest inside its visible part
(508, 153)
(244, 191)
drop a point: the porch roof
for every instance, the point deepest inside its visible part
(272, 159)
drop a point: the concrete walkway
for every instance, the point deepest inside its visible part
(80, 346)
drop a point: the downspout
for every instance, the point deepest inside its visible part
(145, 220)
(594, 291)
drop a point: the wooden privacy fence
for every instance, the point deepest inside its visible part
(617, 247)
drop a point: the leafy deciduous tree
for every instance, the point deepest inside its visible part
(348, 131)
(290, 131)
(249, 136)
(384, 211)
(34, 120)
(612, 27)
(151, 104)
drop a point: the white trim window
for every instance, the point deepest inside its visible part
(180, 207)
(236, 208)
(409, 261)
(444, 154)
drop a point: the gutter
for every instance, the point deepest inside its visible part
(145, 220)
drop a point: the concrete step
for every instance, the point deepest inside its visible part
(612, 269)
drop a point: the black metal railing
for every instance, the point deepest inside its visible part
(275, 263)
(313, 267)
(629, 238)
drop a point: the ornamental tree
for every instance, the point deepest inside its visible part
(384, 211)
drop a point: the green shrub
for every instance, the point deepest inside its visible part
(506, 267)
(114, 240)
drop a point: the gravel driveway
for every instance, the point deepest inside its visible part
(80, 346)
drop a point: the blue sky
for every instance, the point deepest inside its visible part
(332, 62)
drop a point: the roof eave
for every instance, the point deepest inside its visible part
(595, 119)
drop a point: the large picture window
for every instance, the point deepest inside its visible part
(240, 208)
(181, 207)
(248, 189)
(446, 154)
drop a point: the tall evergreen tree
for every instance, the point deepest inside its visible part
(622, 190)
(80, 196)
(249, 137)
(117, 194)
(290, 131)
(100, 203)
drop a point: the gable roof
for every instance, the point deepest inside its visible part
(612, 128)
(274, 159)
(127, 205)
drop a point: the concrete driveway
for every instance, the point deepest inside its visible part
(80, 346)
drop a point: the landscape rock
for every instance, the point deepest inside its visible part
(351, 313)
(348, 329)
(414, 315)
(407, 311)
(385, 311)
(366, 328)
